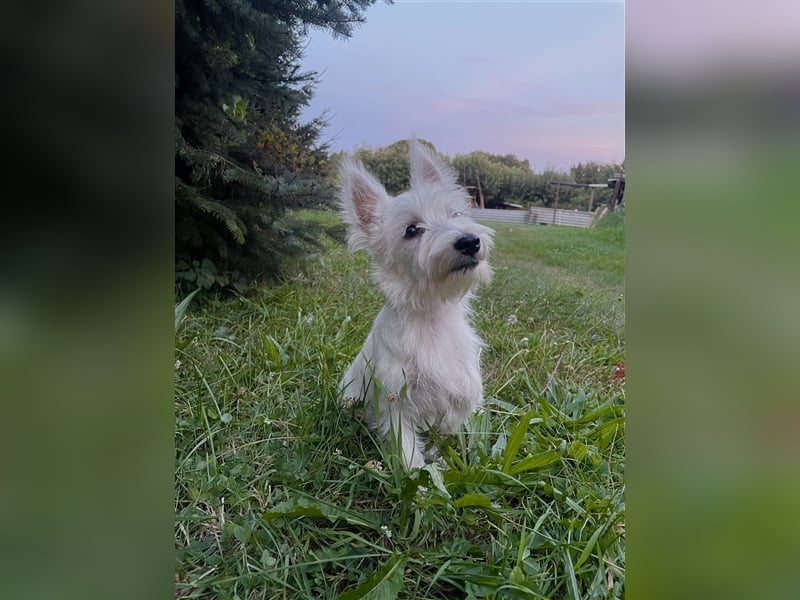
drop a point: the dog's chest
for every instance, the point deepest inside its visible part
(440, 348)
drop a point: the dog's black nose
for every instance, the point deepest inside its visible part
(468, 244)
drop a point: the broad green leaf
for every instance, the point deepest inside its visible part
(181, 307)
(517, 576)
(383, 584)
(587, 550)
(472, 500)
(274, 351)
(500, 445)
(577, 450)
(608, 408)
(537, 461)
(515, 441)
(312, 507)
(608, 430)
(572, 583)
(436, 478)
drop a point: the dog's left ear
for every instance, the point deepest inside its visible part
(425, 167)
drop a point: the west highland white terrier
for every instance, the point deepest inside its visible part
(419, 368)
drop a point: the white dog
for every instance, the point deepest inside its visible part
(419, 367)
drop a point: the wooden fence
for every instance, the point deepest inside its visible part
(538, 215)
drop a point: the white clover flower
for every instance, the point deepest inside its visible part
(512, 319)
(178, 364)
(524, 342)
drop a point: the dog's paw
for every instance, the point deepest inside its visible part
(434, 457)
(432, 454)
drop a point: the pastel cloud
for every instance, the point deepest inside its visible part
(480, 77)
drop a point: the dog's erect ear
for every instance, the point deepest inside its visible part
(360, 195)
(425, 167)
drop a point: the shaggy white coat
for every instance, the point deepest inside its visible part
(419, 367)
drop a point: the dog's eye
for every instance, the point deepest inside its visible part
(411, 231)
(458, 213)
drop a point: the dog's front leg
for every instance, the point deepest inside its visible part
(412, 447)
(403, 436)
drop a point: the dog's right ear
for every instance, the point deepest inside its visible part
(360, 195)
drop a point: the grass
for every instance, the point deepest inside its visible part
(281, 492)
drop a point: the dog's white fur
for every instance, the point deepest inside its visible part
(419, 367)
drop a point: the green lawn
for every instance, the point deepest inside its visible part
(282, 493)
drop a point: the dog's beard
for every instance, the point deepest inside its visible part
(451, 281)
(463, 274)
(463, 267)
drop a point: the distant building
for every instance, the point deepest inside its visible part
(617, 183)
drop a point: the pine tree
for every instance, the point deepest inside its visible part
(242, 157)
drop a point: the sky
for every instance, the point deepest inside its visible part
(541, 80)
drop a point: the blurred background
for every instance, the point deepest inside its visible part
(713, 144)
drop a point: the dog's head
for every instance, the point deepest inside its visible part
(423, 244)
